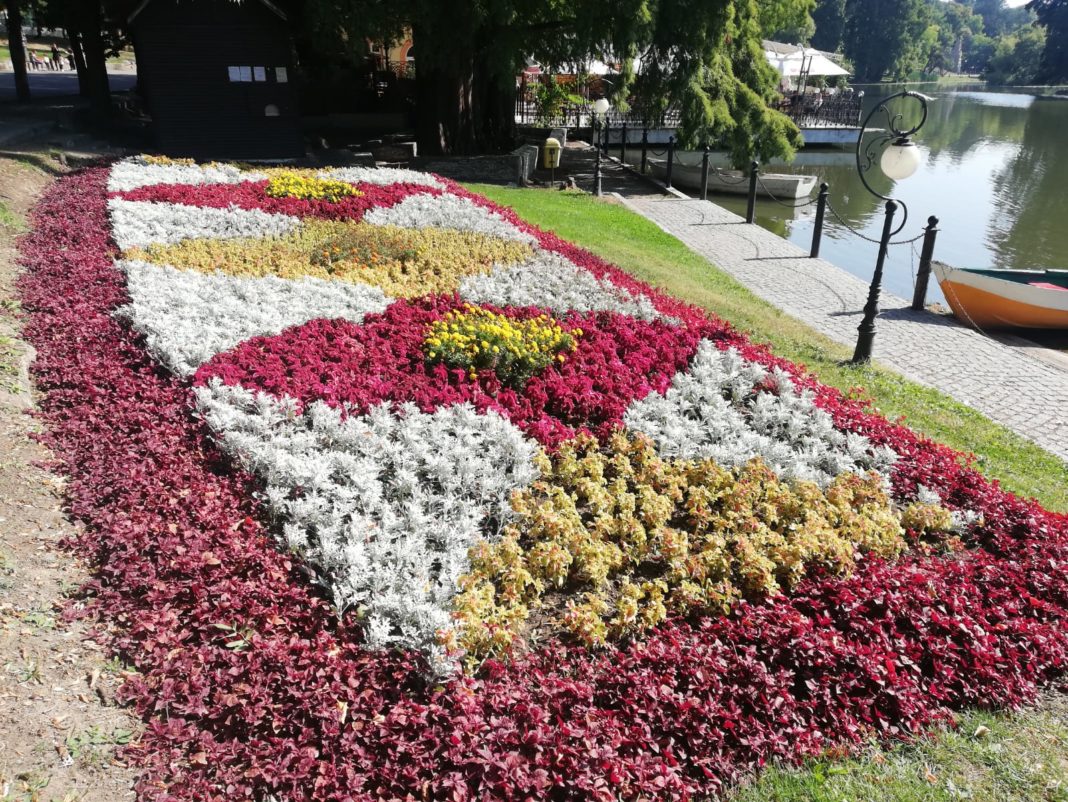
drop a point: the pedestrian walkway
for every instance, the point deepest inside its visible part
(1028, 395)
(578, 160)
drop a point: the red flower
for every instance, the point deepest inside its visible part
(182, 561)
(617, 360)
(252, 195)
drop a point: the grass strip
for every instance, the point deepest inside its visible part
(644, 250)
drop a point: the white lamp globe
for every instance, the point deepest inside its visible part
(601, 107)
(900, 160)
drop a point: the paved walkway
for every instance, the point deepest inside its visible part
(1009, 384)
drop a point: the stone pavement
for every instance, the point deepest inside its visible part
(578, 160)
(1009, 384)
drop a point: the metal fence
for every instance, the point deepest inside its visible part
(812, 111)
(579, 115)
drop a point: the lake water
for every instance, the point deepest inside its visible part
(994, 171)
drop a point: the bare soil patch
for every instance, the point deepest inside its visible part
(59, 725)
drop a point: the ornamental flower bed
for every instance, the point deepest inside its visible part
(633, 563)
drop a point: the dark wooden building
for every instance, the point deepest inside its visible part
(217, 77)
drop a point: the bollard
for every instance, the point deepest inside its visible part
(704, 173)
(645, 149)
(919, 296)
(623, 143)
(750, 211)
(671, 160)
(817, 231)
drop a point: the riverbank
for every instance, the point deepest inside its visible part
(993, 170)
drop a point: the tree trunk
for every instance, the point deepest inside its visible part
(463, 106)
(96, 71)
(74, 37)
(17, 46)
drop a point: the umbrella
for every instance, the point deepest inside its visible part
(803, 62)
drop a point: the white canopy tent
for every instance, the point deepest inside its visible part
(803, 61)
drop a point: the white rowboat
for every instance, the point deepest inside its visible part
(783, 186)
(994, 299)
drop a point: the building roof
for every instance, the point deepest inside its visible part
(270, 6)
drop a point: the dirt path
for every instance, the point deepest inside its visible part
(59, 725)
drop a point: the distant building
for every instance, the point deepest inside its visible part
(217, 77)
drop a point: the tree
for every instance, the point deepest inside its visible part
(1053, 16)
(882, 36)
(999, 19)
(829, 17)
(16, 44)
(955, 25)
(93, 35)
(787, 20)
(86, 23)
(702, 56)
(1017, 57)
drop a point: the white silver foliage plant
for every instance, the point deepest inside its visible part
(555, 282)
(385, 505)
(963, 520)
(719, 409)
(446, 211)
(142, 223)
(135, 172)
(187, 317)
(381, 175)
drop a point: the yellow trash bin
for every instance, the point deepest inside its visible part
(550, 158)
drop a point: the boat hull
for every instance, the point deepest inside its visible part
(993, 303)
(779, 185)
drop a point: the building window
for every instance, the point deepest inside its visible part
(239, 74)
(271, 110)
(259, 73)
(281, 75)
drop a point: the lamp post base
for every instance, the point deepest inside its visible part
(862, 353)
(866, 329)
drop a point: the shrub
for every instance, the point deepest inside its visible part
(610, 542)
(402, 262)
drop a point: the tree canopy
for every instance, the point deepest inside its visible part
(902, 39)
(1053, 16)
(703, 57)
(881, 36)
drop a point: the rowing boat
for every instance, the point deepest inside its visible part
(786, 186)
(992, 299)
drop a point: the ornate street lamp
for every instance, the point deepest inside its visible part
(900, 159)
(600, 109)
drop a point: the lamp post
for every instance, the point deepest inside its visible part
(900, 158)
(600, 109)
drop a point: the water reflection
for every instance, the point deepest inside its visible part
(995, 171)
(1031, 194)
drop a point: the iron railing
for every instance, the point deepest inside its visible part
(811, 111)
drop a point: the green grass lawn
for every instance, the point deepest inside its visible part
(1020, 757)
(645, 251)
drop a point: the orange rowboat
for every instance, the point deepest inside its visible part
(997, 299)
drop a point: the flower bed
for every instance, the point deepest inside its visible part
(324, 435)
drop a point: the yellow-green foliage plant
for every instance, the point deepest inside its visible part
(612, 540)
(404, 262)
